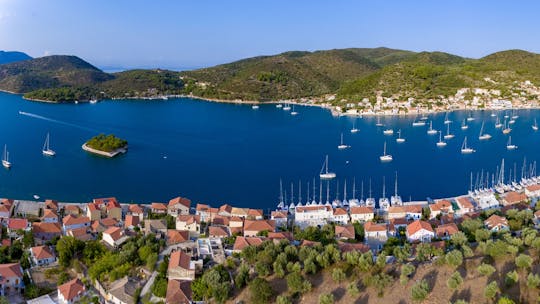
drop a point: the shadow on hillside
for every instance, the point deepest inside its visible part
(461, 295)
(339, 293)
(431, 278)
(364, 299)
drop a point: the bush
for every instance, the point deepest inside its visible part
(326, 298)
(260, 291)
(338, 275)
(454, 258)
(420, 291)
(107, 143)
(454, 281)
(523, 261)
(533, 280)
(352, 289)
(486, 269)
(242, 276)
(296, 283)
(406, 271)
(505, 300)
(491, 290)
(283, 300)
(511, 278)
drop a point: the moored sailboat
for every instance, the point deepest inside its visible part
(385, 157)
(46, 148)
(5, 158)
(325, 174)
(465, 149)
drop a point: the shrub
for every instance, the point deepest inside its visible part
(523, 261)
(533, 280)
(511, 278)
(491, 290)
(486, 269)
(352, 289)
(260, 291)
(454, 258)
(283, 300)
(406, 271)
(326, 298)
(505, 300)
(338, 275)
(420, 290)
(454, 281)
(297, 283)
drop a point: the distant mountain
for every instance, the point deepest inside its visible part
(7, 57)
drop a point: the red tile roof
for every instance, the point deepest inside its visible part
(131, 220)
(218, 231)
(464, 202)
(372, 227)
(535, 187)
(179, 259)
(178, 292)
(278, 214)
(514, 197)
(71, 289)
(40, 227)
(189, 219)
(361, 210)
(259, 225)
(255, 212)
(50, 213)
(418, 225)
(177, 236)
(442, 205)
(42, 252)
(180, 200)
(9, 271)
(281, 235)
(340, 211)
(242, 242)
(105, 201)
(115, 233)
(159, 206)
(51, 204)
(345, 231)
(446, 230)
(70, 219)
(495, 220)
(134, 208)
(17, 223)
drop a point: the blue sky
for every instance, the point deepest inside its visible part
(189, 34)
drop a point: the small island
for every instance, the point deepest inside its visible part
(106, 145)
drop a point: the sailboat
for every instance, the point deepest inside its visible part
(441, 143)
(493, 114)
(509, 145)
(46, 149)
(506, 129)
(379, 123)
(470, 118)
(446, 120)
(464, 125)
(287, 107)
(448, 135)
(385, 157)
(535, 125)
(465, 149)
(395, 200)
(370, 201)
(418, 123)
(383, 201)
(279, 106)
(483, 136)
(342, 146)
(388, 132)
(354, 129)
(431, 131)
(254, 107)
(5, 159)
(293, 111)
(325, 174)
(498, 123)
(400, 140)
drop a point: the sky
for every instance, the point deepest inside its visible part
(188, 34)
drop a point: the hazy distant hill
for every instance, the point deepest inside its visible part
(7, 57)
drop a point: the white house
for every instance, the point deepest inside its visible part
(49, 216)
(419, 231)
(42, 255)
(532, 191)
(373, 231)
(464, 204)
(114, 236)
(361, 214)
(317, 215)
(11, 278)
(71, 292)
(340, 216)
(178, 206)
(71, 222)
(279, 217)
(191, 223)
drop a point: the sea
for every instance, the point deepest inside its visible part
(217, 153)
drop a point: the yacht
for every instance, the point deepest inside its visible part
(493, 114)
(448, 135)
(418, 123)
(395, 200)
(446, 120)
(441, 143)
(465, 149)
(279, 106)
(506, 129)
(354, 129)
(498, 123)
(535, 125)
(464, 125)
(342, 146)
(254, 107)
(384, 203)
(470, 118)
(293, 111)
(483, 136)
(424, 117)
(400, 140)
(385, 157)
(5, 158)
(379, 123)
(287, 107)
(431, 131)
(93, 101)
(325, 174)
(388, 132)
(46, 149)
(509, 145)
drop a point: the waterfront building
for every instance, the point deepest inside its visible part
(255, 227)
(178, 206)
(314, 215)
(419, 231)
(361, 214)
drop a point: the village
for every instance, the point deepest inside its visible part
(192, 238)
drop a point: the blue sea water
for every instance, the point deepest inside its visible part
(224, 153)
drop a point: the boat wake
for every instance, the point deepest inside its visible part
(56, 121)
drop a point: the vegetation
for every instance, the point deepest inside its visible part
(420, 291)
(107, 143)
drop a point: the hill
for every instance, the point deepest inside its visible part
(290, 74)
(7, 57)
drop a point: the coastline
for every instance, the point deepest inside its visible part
(111, 154)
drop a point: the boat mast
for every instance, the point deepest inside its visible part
(281, 191)
(320, 192)
(328, 192)
(307, 198)
(354, 188)
(299, 191)
(314, 196)
(362, 191)
(345, 190)
(337, 189)
(384, 187)
(292, 193)
(395, 187)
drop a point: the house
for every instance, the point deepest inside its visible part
(5, 211)
(396, 224)
(131, 221)
(440, 207)
(158, 208)
(71, 222)
(280, 236)
(464, 204)
(51, 204)
(188, 222)
(536, 218)
(49, 216)
(103, 224)
(93, 211)
(178, 292)
(513, 197)
(136, 210)
(11, 279)
(236, 222)
(361, 214)
(42, 255)
(218, 231)
(81, 234)
(496, 223)
(45, 299)
(206, 212)
(533, 191)
(71, 292)
(242, 242)
(225, 210)
(15, 224)
(445, 231)
(280, 218)
(71, 209)
(220, 220)
(157, 227)
(178, 206)
(255, 227)
(340, 216)
(177, 237)
(344, 232)
(317, 215)
(413, 212)
(373, 231)
(348, 247)
(114, 210)
(180, 266)
(122, 291)
(114, 236)
(396, 212)
(46, 231)
(255, 214)
(419, 231)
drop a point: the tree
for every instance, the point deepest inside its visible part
(491, 290)
(283, 300)
(402, 253)
(296, 283)
(454, 258)
(454, 281)
(458, 239)
(482, 235)
(326, 298)
(242, 276)
(67, 248)
(420, 290)
(379, 281)
(359, 232)
(352, 289)
(523, 261)
(533, 280)
(159, 288)
(511, 278)
(260, 291)
(338, 275)
(505, 300)
(486, 269)
(406, 271)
